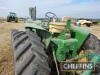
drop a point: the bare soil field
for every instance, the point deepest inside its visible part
(6, 52)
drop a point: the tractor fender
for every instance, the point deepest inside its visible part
(81, 34)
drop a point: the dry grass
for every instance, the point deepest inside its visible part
(96, 31)
(6, 54)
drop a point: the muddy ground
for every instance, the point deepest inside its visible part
(6, 52)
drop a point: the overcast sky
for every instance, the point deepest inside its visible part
(73, 8)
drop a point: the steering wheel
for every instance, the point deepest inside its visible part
(50, 16)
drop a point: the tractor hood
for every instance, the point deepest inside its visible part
(37, 24)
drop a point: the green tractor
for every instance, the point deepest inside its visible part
(12, 17)
(45, 44)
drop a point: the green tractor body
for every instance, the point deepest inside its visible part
(12, 17)
(62, 43)
(66, 44)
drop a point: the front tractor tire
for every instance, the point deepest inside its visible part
(29, 55)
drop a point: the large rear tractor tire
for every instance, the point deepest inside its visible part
(92, 43)
(16, 20)
(29, 55)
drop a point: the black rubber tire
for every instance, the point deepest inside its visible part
(88, 24)
(29, 55)
(16, 20)
(92, 43)
(8, 20)
(97, 69)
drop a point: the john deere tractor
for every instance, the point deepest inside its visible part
(12, 17)
(44, 45)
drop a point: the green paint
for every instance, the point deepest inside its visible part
(68, 41)
(64, 46)
(46, 37)
(80, 34)
(68, 25)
